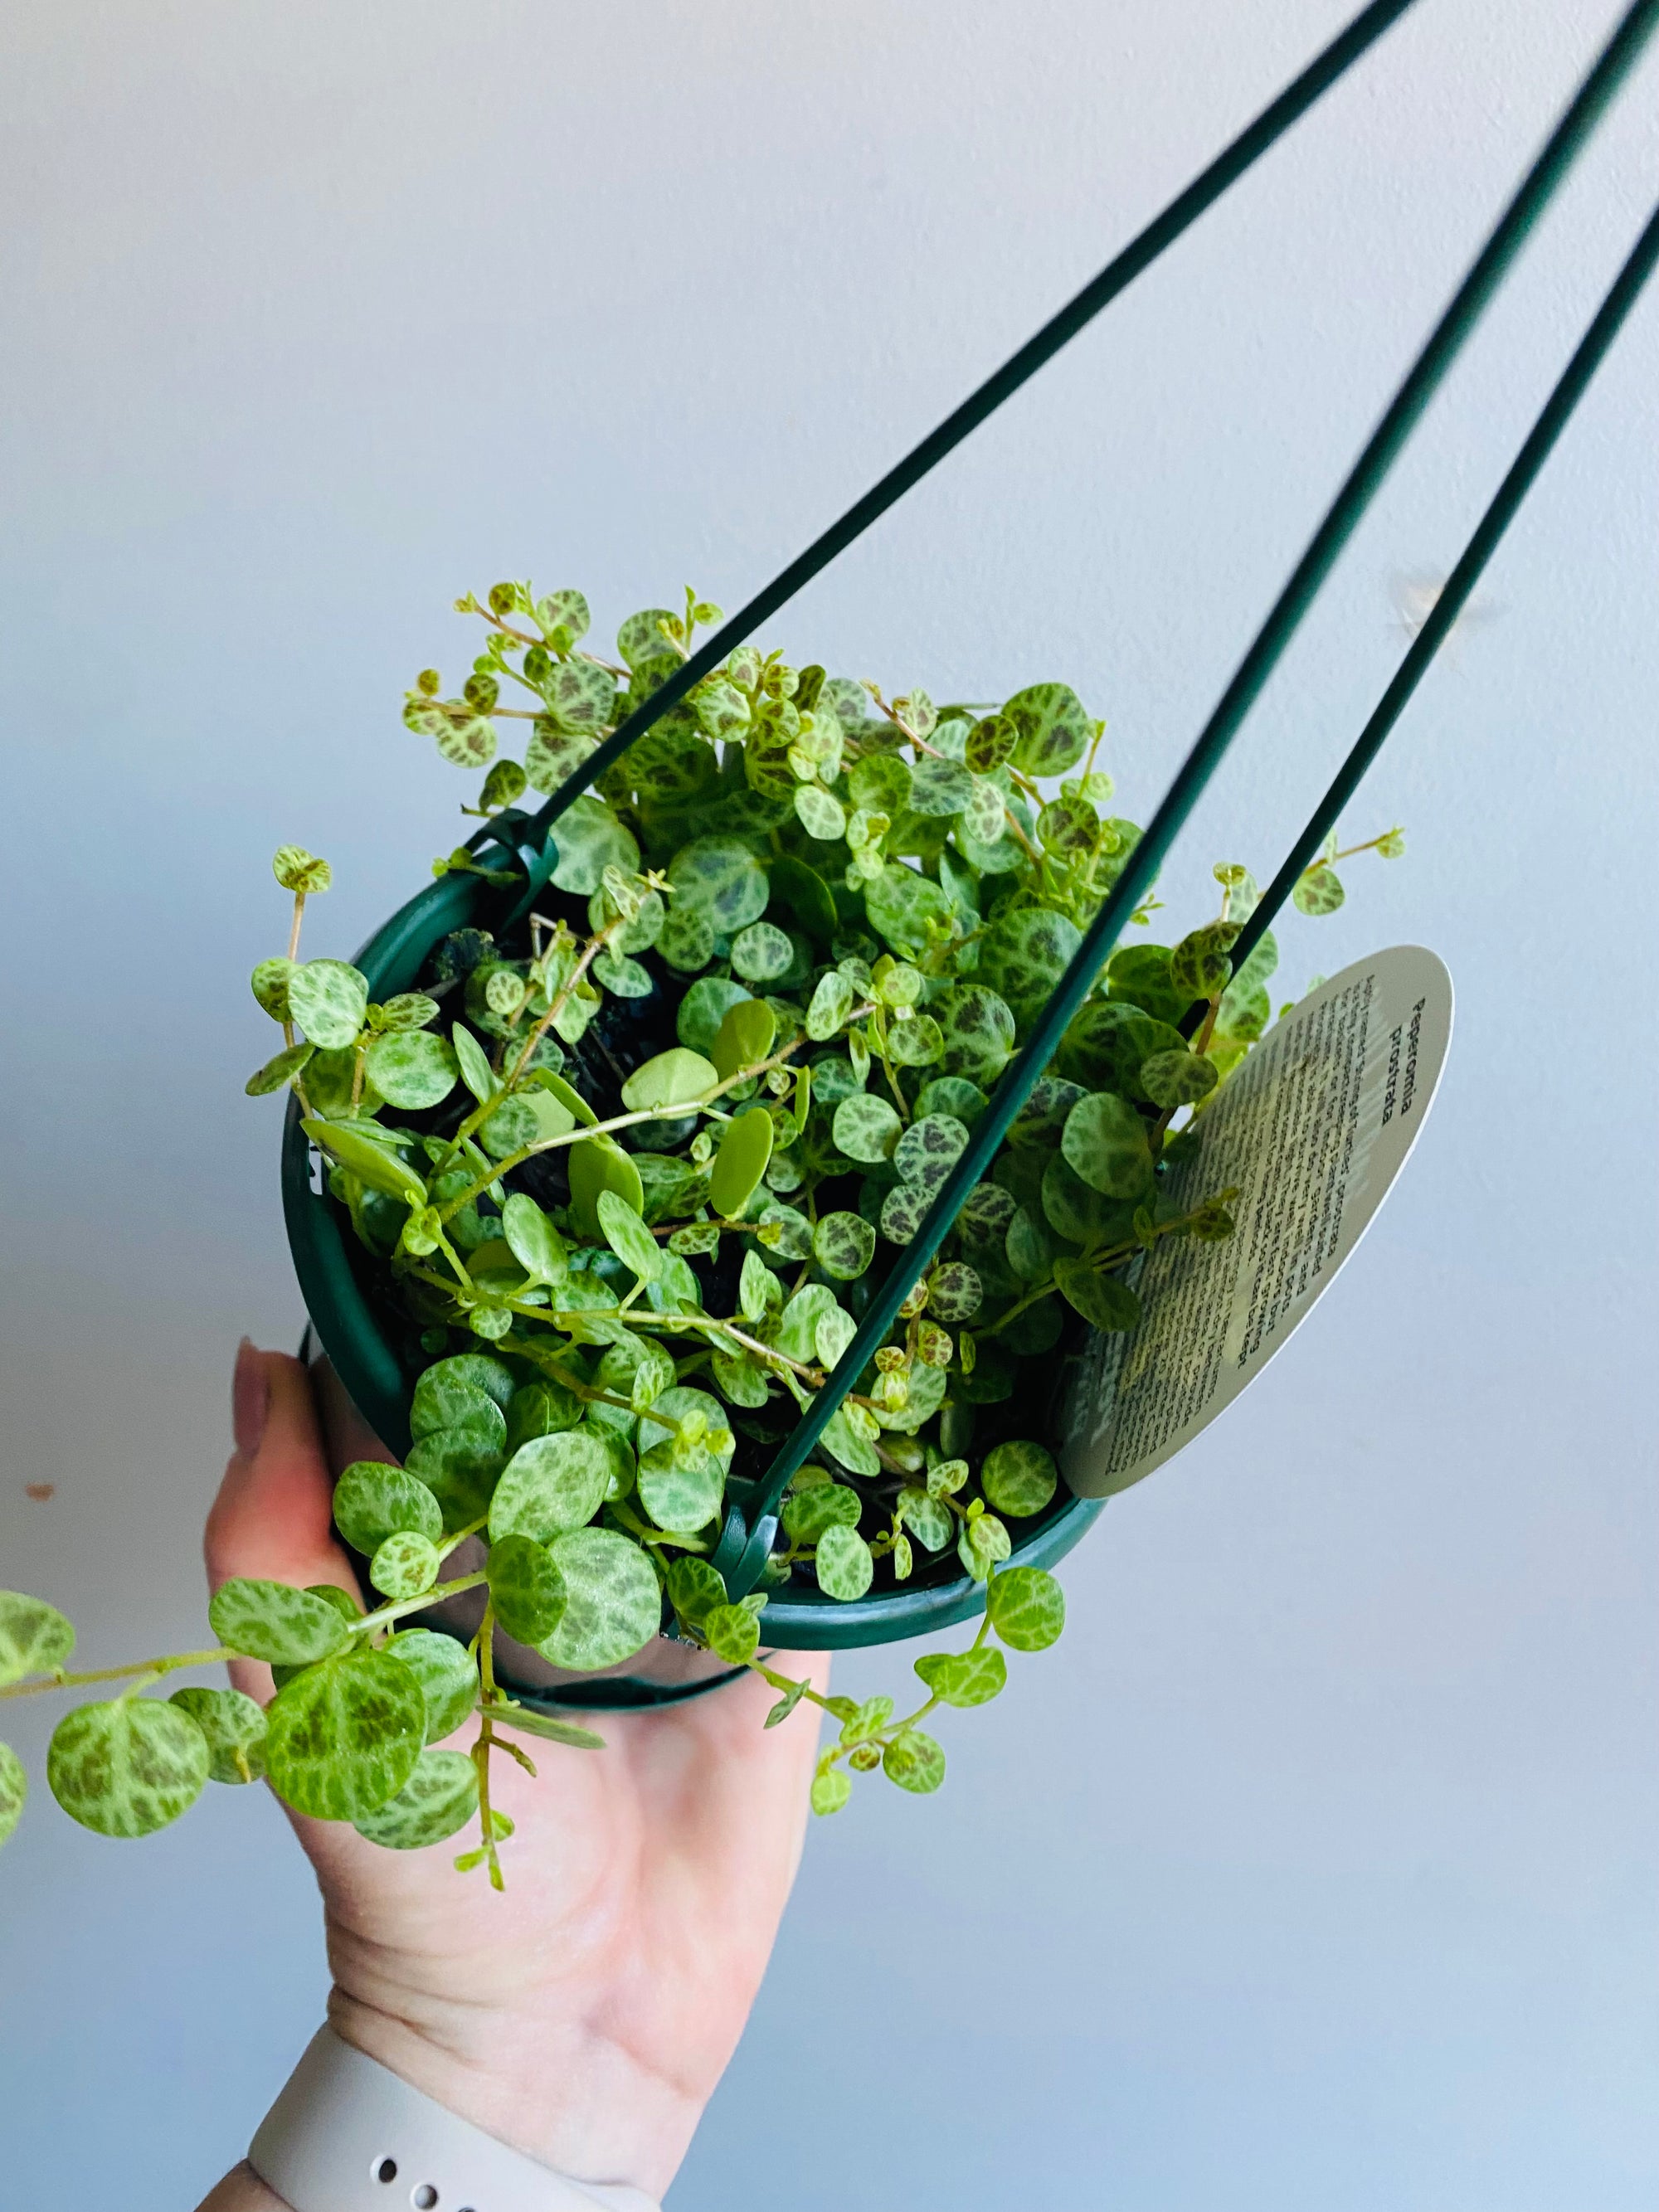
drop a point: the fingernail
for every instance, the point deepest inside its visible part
(249, 1398)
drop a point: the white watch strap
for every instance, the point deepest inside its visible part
(348, 2135)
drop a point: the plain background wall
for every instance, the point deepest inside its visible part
(1316, 1869)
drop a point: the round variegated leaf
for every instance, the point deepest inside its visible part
(1105, 1142)
(843, 1244)
(900, 903)
(929, 1149)
(903, 1211)
(1023, 957)
(127, 1767)
(807, 1514)
(234, 1729)
(819, 814)
(344, 1737)
(686, 940)
(35, 1638)
(978, 1028)
(915, 1761)
(1018, 1478)
(842, 1563)
(722, 876)
(274, 1621)
(613, 1603)
(439, 1797)
(1051, 730)
(412, 1068)
(447, 1675)
(329, 1001)
(682, 1500)
(372, 1501)
(954, 1292)
(551, 1484)
(405, 1566)
(590, 840)
(867, 1127)
(526, 1587)
(1027, 1607)
(964, 1678)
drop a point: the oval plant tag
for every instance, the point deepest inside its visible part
(1311, 1131)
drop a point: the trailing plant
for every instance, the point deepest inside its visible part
(622, 1177)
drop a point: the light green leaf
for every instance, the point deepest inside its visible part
(831, 1790)
(412, 1068)
(1177, 1078)
(844, 1443)
(832, 1001)
(808, 1513)
(234, 1729)
(673, 1078)
(818, 814)
(534, 1240)
(597, 1164)
(723, 877)
(544, 1725)
(372, 1501)
(328, 999)
(748, 1031)
(746, 1149)
(344, 1737)
(1051, 730)
(274, 1621)
(1318, 891)
(901, 902)
(732, 1633)
(279, 1071)
(842, 1563)
(128, 1767)
(930, 1518)
(1018, 1478)
(527, 1588)
(914, 1759)
(35, 1638)
(613, 1603)
(439, 1797)
(1027, 1607)
(964, 1678)
(590, 840)
(448, 1391)
(405, 1566)
(843, 1244)
(629, 1238)
(1102, 1300)
(763, 952)
(447, 1675)
(681, 1499)
(370, 1163)
(982, 1544)
(1104, 1142)
(474, 1063)
(551, 1485)
(867, 1127)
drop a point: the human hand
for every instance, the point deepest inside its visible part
(584, 2015)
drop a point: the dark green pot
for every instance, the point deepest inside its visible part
(332, 1270)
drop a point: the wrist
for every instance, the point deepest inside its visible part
(572, 2099)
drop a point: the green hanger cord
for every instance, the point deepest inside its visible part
(1117, 276)
(1365, 479)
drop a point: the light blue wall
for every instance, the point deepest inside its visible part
(1316, 1872)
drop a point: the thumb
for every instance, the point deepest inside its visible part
(273, 1516)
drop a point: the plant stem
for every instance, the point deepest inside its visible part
(60, 1679)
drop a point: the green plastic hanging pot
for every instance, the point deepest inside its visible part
(334, 1277)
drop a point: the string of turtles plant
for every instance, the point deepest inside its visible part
(623, 1178)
